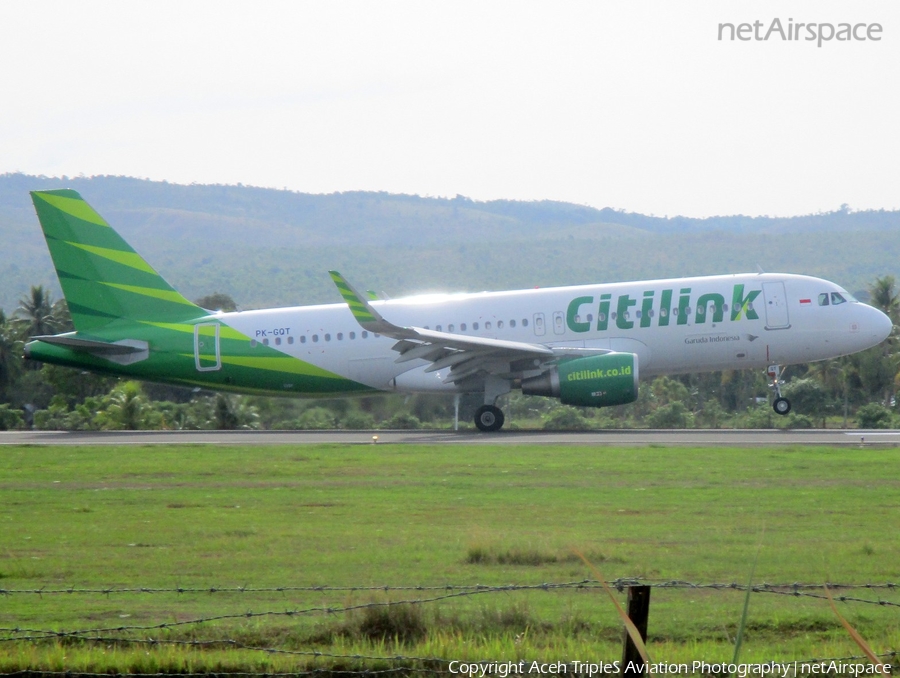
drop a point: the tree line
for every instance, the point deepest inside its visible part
(858, 390)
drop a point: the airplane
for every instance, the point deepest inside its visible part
(585, 345)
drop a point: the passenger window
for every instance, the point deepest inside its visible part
(290, 340)
(663, 312)
(353, 335)
(451, 328)
(524, 322)
(253, 343)
(474, 326)
(327, 337)
(512, 323)
(278, 341)
(837, 299)
(462, 327)
(303, 339)
(340, 336)
(487, 325)
(315, 338)
(265, 342)
(365, 335)
(437, 328)
(823, 299)
(499, 324)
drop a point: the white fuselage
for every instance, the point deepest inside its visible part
(673, 326)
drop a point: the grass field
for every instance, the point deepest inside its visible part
(371, 516)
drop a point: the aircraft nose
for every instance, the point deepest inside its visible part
(881, 325)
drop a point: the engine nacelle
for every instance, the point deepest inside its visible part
(596, 381)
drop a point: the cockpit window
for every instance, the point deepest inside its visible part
(836, 299)
(823, 299)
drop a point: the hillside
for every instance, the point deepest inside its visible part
(268, 247)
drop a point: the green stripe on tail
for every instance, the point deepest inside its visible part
(102, 277)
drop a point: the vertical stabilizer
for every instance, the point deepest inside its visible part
(102, 277)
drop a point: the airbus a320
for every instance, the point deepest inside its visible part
(586, 345)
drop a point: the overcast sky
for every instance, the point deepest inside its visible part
(631, 105)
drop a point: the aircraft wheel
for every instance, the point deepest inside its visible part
(781, 406)
(488, 418)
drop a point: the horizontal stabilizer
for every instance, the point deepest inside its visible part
(92, 345)
(123, 352)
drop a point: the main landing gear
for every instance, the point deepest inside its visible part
(781, 405)
(489, 418)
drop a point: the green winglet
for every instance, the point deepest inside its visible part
(372, 295)
(365, 315)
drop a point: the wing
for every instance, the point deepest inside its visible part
(468, 357)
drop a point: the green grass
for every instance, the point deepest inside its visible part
(360, 516)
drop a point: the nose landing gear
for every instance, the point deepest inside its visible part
(781, 405)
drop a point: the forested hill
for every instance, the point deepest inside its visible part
(268, 247)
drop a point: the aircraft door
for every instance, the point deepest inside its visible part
(207, 357)
(559, 323)
(776, 306)
(539, 328)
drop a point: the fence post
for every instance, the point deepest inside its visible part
(638, 612)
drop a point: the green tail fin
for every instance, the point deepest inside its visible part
(102, 277)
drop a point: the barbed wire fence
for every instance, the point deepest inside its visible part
(389, 664)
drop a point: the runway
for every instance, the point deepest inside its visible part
(704, 437)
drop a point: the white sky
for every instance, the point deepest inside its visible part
(632, 105)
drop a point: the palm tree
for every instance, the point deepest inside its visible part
(62, 318)
(127, 405)
(885, 297)
(834, 375)
(35, 314)
(10, 353)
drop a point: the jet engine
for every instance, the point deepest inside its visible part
(595, 381)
